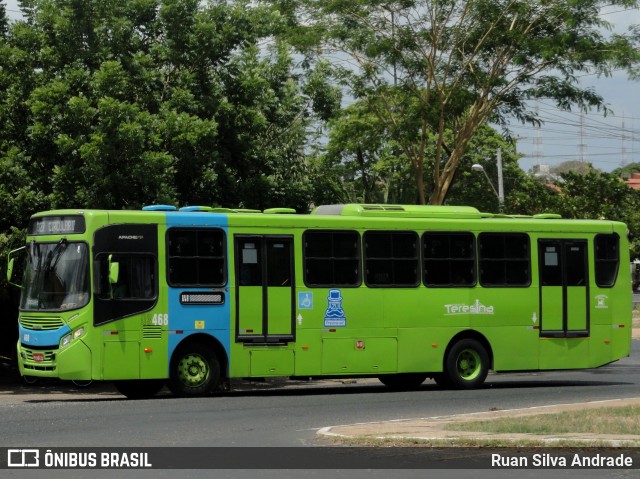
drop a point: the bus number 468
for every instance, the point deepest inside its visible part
(160, 320)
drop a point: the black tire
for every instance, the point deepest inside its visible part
(194, 371)
(466, 365)
(403, 382)
(139, 388)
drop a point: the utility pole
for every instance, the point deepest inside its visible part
(500, 181)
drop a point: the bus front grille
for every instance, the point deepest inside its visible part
(43, 357)
(41, 323)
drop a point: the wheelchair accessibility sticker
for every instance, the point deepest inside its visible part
(305, 300)
(334, 315)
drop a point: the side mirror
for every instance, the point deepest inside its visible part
(10, 269)
(104, 271)
(114, 272)
(11, 257)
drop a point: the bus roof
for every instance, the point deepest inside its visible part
(328, 215)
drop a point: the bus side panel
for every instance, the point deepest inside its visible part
(187, 319)
(308, 353)
(620, 327)
(121, 360)
(425, 325)
(272, 362)
(508, 319)
(621, 304)
(77, 361)
(422, 349)
(360, 355)
(416, 307)
(602, 345)
(564, 353)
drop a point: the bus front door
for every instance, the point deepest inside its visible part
(265, 291)
(564, 288)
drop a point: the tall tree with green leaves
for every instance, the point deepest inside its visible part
(4, 21)
(122, 103)
(429, 67)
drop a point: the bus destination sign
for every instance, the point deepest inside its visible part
(56, 225)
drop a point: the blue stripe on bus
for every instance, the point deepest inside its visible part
(44, 339)
(184, 318)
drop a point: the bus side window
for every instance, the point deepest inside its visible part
(392, 259)
(331, 258)
(250, 269)
(196, 257)
(449, 259)
(278, 263)
(551, 272)
(607, 257)
(136, 277)
(504, 259)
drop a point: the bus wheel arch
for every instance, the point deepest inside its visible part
(466, 361)
(198, 366)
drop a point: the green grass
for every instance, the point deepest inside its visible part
(616, 421)
(611, 420)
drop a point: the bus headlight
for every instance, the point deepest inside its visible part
(66, 340)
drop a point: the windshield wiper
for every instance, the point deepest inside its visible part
(34, 252)
(54, 255)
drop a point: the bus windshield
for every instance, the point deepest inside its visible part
(56, 277)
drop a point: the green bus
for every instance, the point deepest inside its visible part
(196, 296)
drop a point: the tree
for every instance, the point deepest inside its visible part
(4, 21)
(426, 68)
(364, 156)
(598, 195)
(626, 170)
(471, 187)
(373, 167)
(123, 103)
(575, 166)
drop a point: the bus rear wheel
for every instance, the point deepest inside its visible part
(403, 382)
(466, 365)
(139, 389)
(194, 371)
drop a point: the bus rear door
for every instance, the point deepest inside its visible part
(564, 288)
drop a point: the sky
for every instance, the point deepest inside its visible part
(606, 142)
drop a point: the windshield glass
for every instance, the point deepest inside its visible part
(56, 277)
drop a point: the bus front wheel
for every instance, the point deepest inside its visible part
(466, 365)
(195, 371)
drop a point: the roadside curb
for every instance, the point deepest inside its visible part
(433, 429)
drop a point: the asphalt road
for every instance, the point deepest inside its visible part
(60, 415)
